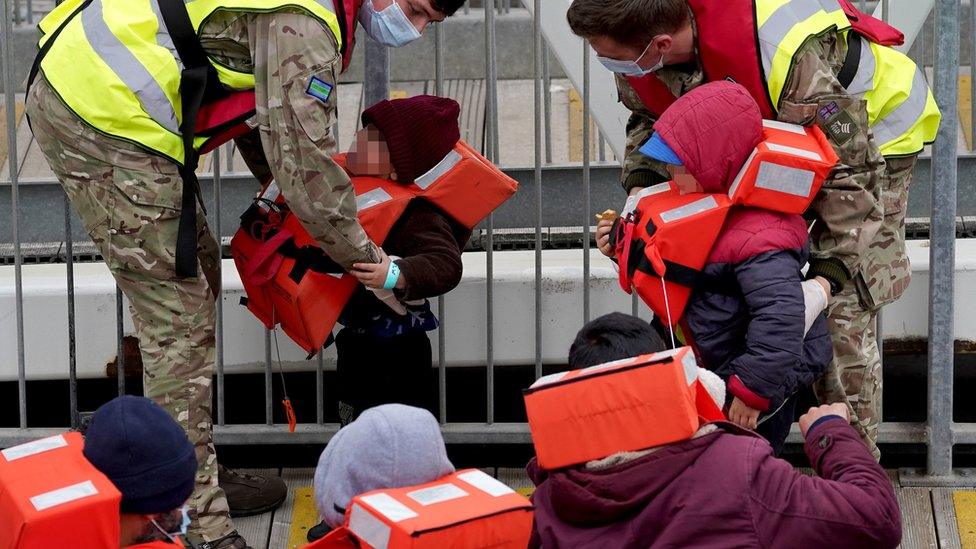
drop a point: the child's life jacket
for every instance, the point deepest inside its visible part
(664, 237)
(51, 496)
(621, 406)
(290, 281)
(464, 509)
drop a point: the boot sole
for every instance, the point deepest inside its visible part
(241, 513)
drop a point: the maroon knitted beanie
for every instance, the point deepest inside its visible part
(419, 131)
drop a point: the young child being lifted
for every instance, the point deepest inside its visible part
(754, 336)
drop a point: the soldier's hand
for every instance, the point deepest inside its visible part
(742, 415)
(817, 412)
(603, 228)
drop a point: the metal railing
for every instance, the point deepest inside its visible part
(939, 432)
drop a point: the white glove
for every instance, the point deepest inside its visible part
(815, 300)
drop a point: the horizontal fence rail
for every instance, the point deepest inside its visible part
(571, 194)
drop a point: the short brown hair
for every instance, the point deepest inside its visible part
(630, 22)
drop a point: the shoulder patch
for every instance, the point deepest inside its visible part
(319, 89)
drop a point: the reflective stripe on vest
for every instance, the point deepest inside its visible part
(115, 65)
(783, 27)
(901, 110)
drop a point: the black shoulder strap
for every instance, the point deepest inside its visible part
(198, 84)
(853, 60)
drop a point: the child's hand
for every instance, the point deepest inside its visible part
(817, 412)
(373, 275)
(603, 228)
(742, 415)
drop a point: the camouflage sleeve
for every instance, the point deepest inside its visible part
(296, 65)
(848, 209)
(638, 170)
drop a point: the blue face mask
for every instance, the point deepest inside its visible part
(631, 68)
(184, 525)
(389, 27)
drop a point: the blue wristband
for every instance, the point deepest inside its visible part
(392, 276)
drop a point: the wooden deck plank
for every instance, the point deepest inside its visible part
(256, 529)
(944, 510)
(281, 524)
(918, 526)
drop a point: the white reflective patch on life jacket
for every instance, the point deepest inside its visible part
(551, 378)
(372, 198)
(34, 447)
(368, 528)
(438, 170)
(436, 494)
(688, 210)
(631, 205)
(785, 126)
(491, 486)
(389, 507)
(742, 173)
(785, 179)
(802, 153)
(63, 495)
(690, 366)
(271, 193)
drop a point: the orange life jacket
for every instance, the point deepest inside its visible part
(662, 245)
(290, 281)
(728, 49)
(51, 496)
(464, 509)
(620, 406)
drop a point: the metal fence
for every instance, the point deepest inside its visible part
(939, 432)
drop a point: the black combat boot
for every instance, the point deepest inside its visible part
(249, 494)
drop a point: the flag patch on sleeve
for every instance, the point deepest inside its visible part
(319, 89)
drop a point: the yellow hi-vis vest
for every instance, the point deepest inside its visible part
(732, 35)
(116, 67)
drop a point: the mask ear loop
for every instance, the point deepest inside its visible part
(175, 539)
(667, 309)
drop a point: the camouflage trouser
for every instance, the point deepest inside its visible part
(129, 202)
(855, 374)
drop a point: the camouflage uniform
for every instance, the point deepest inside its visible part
(129, 201)
(858, 236)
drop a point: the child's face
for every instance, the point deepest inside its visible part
(685, 181)
(369, 155)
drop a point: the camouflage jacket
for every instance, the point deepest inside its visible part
(294, 139)
(849, 210)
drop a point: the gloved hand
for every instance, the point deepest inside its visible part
(815, 300)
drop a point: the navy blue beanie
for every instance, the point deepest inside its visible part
(144, 452)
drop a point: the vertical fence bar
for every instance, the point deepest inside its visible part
(547, 101)
(268, 395)
(8, 83)
(943, 240)
(69, 263)
(586, 181)
(30, 12)
(972, 75)
(376, 84)
(229, 151)
(319, 388)
(219, 302)
(120, 340)
(441, 333)
(491, 146)
(537, 80)
(17, 19)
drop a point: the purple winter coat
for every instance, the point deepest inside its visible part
(722, 490)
